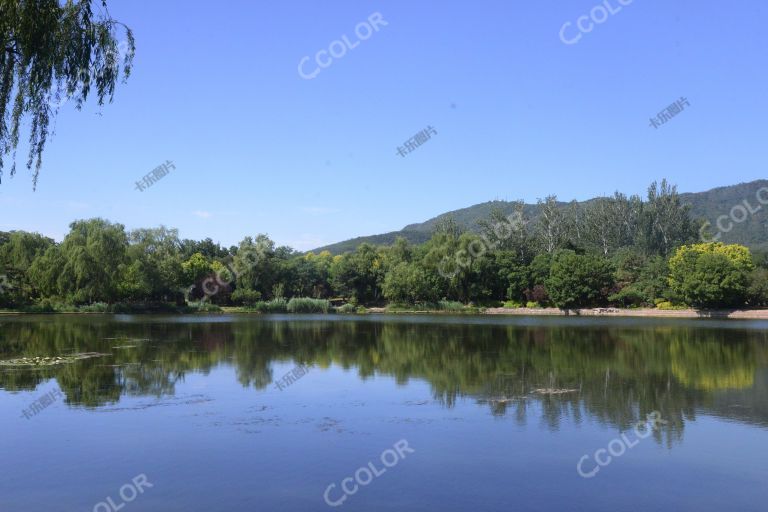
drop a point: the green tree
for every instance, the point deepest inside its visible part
(359, 274)
(711, 274)
(665, 222)
(552, 225)
(514, 275)
(194, 271)
(577, 280)
(154, 269)
(307, 275)
(44, 273)
(440, 257)
(758, 287)
(207, 248)
(18, 251)
(509, 232)
(93, 253)
(409, 284)
(610, 223)
(261, 266)
(52, 50)
(640, 279)
(20, 248)
(399, 252)
(538, 274)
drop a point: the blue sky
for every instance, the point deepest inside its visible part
(518, 114)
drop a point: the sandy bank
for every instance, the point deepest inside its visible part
(754, 314)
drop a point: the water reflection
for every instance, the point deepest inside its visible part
(613, 374)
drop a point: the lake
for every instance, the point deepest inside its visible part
(381, 413)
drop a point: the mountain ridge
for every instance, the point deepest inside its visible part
(708, 205)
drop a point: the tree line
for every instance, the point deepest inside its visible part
(619, 250)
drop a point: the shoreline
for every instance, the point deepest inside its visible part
(737, 314)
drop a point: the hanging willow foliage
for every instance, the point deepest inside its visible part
(50, 53)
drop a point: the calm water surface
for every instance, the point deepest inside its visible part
(496, 412)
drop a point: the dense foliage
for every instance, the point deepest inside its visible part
(614, 251)
(711, 274)
(51, 51)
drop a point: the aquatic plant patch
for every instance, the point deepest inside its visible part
(50, 360)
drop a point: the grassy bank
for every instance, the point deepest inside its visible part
(117, 308)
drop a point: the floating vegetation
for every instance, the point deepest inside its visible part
(170, 401)
(551, 391)
(50, 360)
(502, 400)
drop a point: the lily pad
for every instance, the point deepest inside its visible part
(50, 360)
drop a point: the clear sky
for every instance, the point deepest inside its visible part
(518, 113)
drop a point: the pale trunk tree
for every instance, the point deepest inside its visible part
(551, 224)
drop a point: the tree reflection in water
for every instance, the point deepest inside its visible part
(612, 374)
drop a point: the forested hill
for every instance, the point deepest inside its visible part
(709, 205)
(705, 206)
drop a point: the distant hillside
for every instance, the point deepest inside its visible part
(415, 237)
(708, 205)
